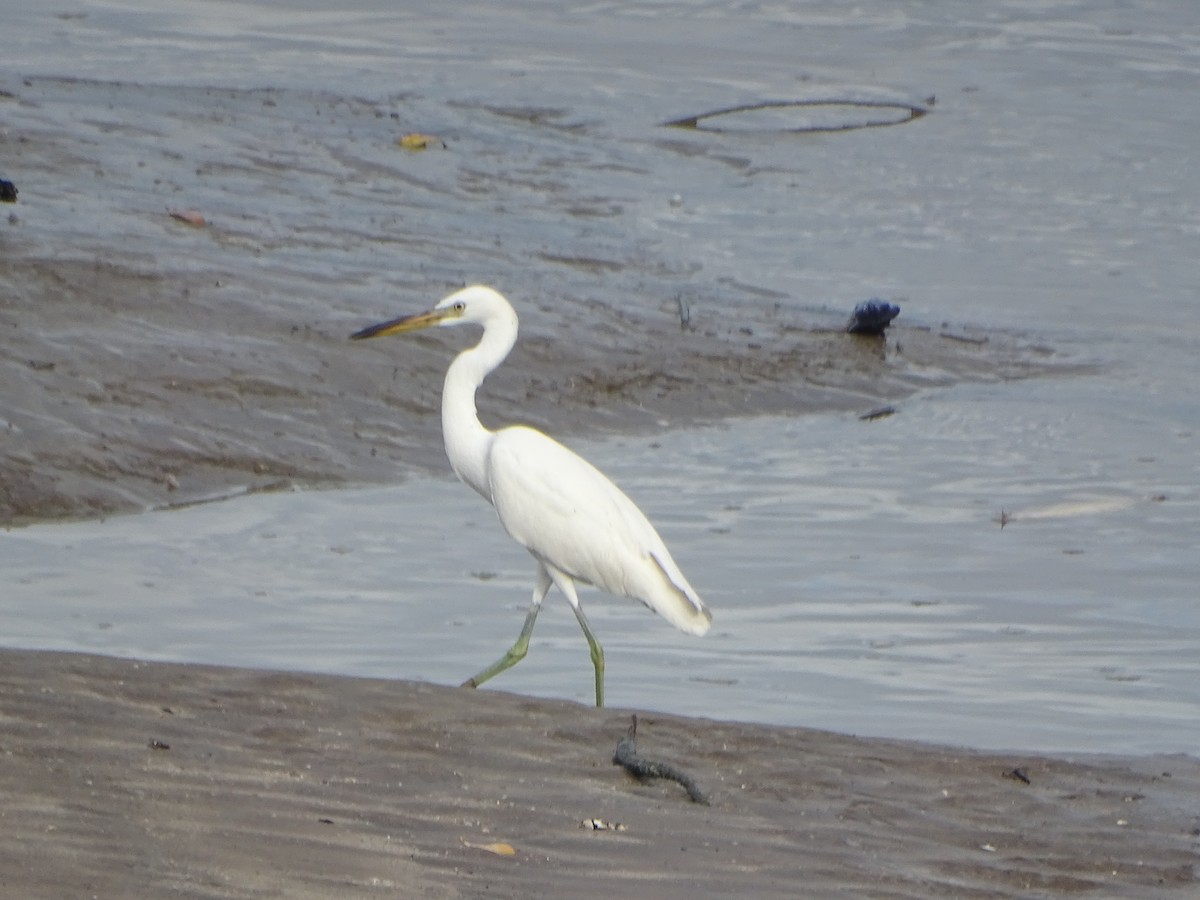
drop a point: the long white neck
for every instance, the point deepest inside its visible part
(467, 441)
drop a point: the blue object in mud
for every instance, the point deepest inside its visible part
(872, 317)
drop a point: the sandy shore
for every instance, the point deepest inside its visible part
(132, 779)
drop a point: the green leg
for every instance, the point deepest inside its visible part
(517, 651)
(567, 586)
(597, 654)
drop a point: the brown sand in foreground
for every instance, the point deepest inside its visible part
(131, 779)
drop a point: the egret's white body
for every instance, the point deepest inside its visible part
(578, 525)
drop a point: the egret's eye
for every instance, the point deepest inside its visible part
(459, 306)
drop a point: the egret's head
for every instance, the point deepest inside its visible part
(475, 304)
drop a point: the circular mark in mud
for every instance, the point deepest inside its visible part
(802, 116)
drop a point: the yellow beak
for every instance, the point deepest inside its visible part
(407, 323)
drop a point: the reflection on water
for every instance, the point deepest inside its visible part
(858, 572)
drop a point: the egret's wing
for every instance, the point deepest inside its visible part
(568, 513)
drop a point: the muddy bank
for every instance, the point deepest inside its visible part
(194, 396)
(134, 779)
(149, 362)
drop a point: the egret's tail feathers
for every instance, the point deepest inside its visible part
(678, 603)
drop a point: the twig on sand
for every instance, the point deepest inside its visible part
(626, 755)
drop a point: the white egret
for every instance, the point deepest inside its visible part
(578, 525)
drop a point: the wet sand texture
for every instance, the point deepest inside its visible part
(147, 362)
(128, 779)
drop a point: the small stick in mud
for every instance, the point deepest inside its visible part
(626, 755)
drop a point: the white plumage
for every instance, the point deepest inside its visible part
(578, 525)
(570, 516)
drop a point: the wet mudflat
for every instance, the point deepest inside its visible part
(150, 362)
(149, 780)
(1033, 228)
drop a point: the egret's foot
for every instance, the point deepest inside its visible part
(514, 655)
(596, 652)
(598, 665)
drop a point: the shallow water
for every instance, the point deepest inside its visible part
(858, 573)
